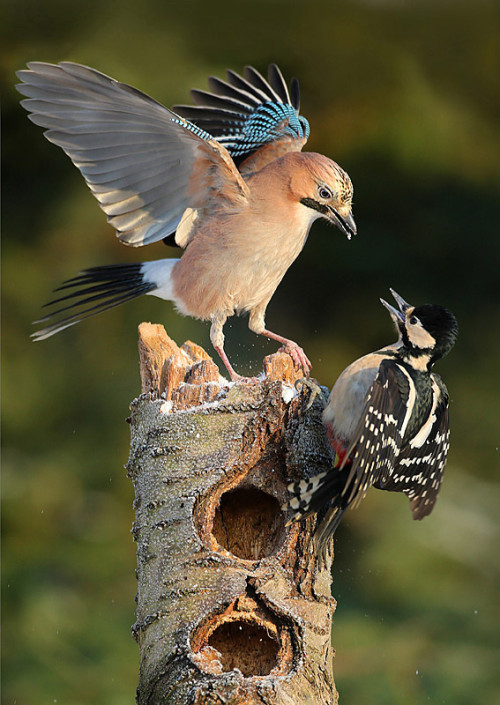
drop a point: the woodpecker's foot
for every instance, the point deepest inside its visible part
(298, 356)
(314, 389)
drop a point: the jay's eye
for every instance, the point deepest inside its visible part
(324, 192)
(414, 320)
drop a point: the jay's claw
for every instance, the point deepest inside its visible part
(298, 356)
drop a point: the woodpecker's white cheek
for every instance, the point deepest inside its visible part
(419, 337)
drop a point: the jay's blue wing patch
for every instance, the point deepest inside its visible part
(245, 113)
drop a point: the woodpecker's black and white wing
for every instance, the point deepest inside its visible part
(376, 443)
(420, 466)
(144, 164)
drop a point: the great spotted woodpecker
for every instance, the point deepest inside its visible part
(387, 421)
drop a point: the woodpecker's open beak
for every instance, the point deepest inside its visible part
(347, 225)
(403, 307)
(396, 315)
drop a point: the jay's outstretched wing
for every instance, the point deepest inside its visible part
(248, 113)
(143, 163)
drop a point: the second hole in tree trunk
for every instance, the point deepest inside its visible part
(248, 523)
(245, 646)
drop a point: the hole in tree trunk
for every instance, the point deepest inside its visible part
(245, 646)
(245, 635)
(248, 523)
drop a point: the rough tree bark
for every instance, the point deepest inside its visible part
(232, 607)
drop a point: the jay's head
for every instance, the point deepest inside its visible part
(323, 187)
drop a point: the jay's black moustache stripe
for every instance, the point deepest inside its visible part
(315, 205)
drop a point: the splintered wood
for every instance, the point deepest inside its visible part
(187, 375)
(231, 605)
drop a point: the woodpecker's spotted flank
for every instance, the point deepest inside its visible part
(387, 421)
(227, 176)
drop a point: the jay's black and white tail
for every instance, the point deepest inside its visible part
(98, 289)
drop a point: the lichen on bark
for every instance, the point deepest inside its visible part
(232, 606)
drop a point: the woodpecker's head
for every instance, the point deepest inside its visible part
(428, 332)
(320, 185)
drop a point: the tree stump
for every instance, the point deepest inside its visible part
(232, 606)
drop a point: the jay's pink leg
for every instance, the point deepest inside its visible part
(217, 339)
(235, 377)
(257, 324)
(298, 356)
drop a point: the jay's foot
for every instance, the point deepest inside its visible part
(298, 356)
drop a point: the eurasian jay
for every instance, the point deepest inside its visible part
(227, 176)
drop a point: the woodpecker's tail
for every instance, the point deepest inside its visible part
(100, 288)
(313, 494)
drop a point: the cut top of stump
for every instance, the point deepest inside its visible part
(187, 375)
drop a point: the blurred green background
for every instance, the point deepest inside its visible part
(404, 95)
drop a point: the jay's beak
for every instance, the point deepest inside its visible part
(347, 225)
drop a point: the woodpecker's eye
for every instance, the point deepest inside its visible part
(414, 320)
(324, 193)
